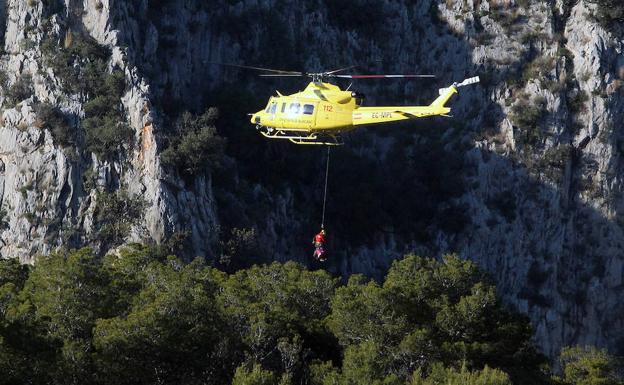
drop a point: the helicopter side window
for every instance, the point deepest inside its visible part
(294, 108)
(308, 109)
(283, 107)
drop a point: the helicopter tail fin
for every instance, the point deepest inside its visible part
(445, 95)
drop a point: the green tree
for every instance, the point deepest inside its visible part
(126, 270)
(324, 373)
(22, 353)
(172, 331)
(64, 295)
(450, 376)
(278, 312)
(139, 316)
(255, 376)
(527, 114)
(367, 363)
(14, 272)
(427, 312)
(240, 247)
(590, 366)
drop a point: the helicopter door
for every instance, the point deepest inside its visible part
(309, 114)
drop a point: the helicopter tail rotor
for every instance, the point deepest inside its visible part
(446, 93)
(467, 82)
(456, 85)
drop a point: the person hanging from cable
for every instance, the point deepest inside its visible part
(319, 239)
(319, 246)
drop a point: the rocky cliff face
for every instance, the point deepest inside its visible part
(46, 200)
(544, 197)
(539, 142)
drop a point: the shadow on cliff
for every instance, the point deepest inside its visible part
(389, 189)
(552, 253)
(420, 186)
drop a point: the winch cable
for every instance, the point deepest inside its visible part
(325, 191)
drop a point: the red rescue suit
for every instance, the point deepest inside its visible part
(319, 239)
(319, 247)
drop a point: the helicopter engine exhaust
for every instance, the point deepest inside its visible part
(359, 97)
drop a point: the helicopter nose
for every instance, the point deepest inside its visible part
(255, 119)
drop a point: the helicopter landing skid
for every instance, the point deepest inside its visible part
(337, 141)
(301, 138)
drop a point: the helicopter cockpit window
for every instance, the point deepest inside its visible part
(294, 108)
(273, 107)
(308, 109)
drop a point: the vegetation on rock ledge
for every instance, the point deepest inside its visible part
(610, 13)
(195, 145)
(81, 64)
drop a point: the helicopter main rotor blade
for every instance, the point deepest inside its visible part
(263, 69)
(339, 70)
(381, 76)
(281, 75)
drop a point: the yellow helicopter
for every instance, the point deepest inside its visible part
(322, 111)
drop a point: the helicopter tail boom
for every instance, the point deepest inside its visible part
(373, 115)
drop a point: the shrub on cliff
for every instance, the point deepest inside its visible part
(54, 120)
(610, 13)
(3, 222)
(104, 120)
(81, 64)
(78, 63)
(106, 131)
(20, 90)
(195, 147)
(527, 114)
(115, 214)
